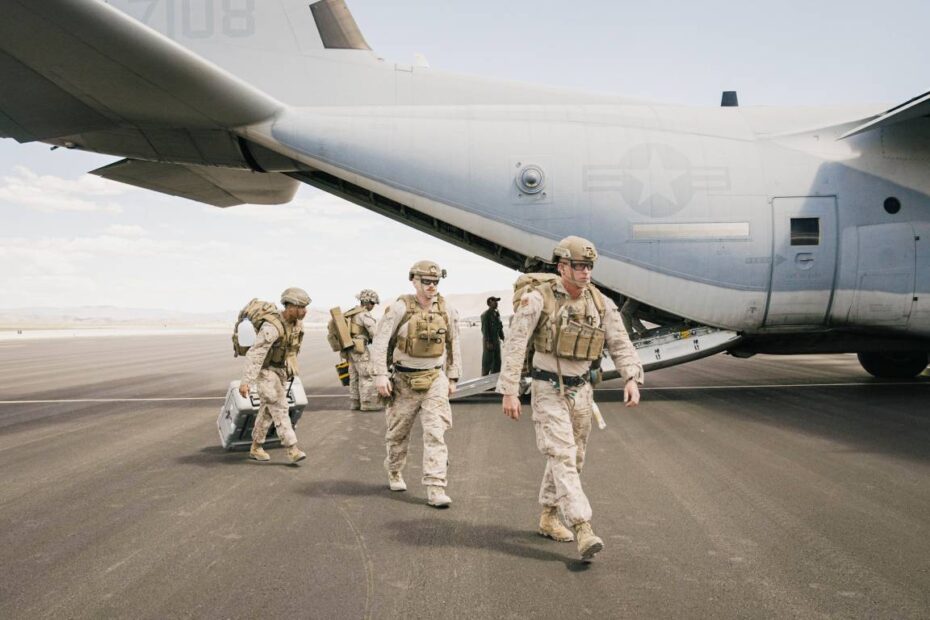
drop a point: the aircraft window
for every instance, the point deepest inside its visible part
(805, 231)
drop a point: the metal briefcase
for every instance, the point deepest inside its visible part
(237, 416)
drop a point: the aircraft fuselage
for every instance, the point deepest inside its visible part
(729, 217)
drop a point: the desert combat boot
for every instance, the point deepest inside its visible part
(258, 453)
(295, 454)
(437, 498)
(396, 481)
(588, 543)
(551, 526)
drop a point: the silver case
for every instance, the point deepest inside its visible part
(237, 416)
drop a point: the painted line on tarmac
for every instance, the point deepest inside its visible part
(313, 396)
(137, 400)
(763, 386)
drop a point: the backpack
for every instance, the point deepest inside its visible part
(340, 324)
(257, 313)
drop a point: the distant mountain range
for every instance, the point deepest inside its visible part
(100, 316)
(469, 305)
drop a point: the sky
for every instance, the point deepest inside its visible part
(70, 239)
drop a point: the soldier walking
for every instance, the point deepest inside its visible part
(272, 361)
(362, 391)
(569, 322)
(418, 334)
(492, 333)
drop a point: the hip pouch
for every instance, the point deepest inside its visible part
(577, 341)
(359, 343)
(423, 380)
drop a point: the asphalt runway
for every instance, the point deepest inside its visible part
(768, 487)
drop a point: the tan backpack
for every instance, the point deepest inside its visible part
(339, 329)
(257, 312)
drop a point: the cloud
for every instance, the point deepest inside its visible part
(173, 254)
(314, 212)
(124, 230)
(126, 268)
(47, 193)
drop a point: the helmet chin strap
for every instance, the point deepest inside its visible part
(575, 282)
(581, 285)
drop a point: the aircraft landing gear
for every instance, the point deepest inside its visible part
(904, 365)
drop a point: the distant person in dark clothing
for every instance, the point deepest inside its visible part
(492, 332)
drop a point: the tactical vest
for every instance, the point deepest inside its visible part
(283, 353)
(563, 330)
(429, 332)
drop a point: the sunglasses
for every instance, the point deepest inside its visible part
(578, 265)
(429, 282)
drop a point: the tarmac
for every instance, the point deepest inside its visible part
(770, 487)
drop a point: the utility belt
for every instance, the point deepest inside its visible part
(288, 370)
(419, 379)
(545, 375)
(399, 368)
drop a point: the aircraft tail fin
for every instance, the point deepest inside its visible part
(289, 49)
(336, 26)
(266, 25)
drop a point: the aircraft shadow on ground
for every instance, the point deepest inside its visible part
(458, 534)
(879, 418)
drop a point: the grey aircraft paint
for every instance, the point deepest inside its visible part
(806, 227)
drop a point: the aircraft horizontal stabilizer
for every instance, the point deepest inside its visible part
(915, 108)
(220, 187)
(75, 66)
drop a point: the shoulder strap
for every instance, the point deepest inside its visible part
(450, 328)
(410, 301)
(550, 304)
(356, 310)
(441, 302)
(275, 319)
(599, 303)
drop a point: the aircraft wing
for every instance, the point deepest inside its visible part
(909, 110)
(72, 67)
(220, 187)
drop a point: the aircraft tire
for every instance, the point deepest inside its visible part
(905, 365)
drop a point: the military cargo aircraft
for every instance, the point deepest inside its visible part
(772, 230)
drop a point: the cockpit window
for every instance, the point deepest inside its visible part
(805, 231)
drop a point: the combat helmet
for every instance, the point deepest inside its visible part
(295, 297)
(574, 248)
(427, 268)
(367, 296)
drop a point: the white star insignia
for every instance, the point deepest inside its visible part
(656, 180)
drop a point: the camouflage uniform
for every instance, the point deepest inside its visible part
(432, 405)
(362, 391)
(563, 424)
(272, 383)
